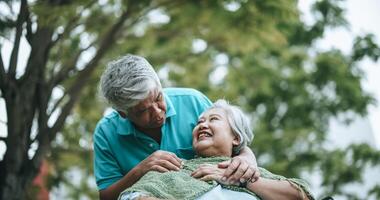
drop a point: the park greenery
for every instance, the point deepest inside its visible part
(257, 54)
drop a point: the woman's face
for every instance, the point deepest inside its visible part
(213, 135)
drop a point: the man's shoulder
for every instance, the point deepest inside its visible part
(187, 98)
(108, 120)
(111, 116)
(182, 92)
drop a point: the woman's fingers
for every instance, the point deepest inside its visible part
(207, 169)
(239, 170)
(238, 176)
(231, 169)
(211, 177)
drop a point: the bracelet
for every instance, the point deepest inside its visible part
(250, 180)
(243, 184)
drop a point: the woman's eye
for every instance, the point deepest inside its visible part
(213, 118)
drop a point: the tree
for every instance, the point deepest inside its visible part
(53, 31)
(272, 70)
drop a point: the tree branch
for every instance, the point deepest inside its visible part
(7, 23)
(29, 31)
(85, 74)
(66, 68)
(3, 75)
(10, 7)
(39, 54)
(71, 24)
(14, 55)
(57, 103)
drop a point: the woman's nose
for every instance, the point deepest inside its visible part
(203, 125)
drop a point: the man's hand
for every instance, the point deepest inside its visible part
(161, 161)
(241, 168)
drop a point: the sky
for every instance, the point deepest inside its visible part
(363, 17)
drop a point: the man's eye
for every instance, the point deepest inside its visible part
(159, 97)
(142, 112)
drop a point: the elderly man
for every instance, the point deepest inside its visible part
(150, 129)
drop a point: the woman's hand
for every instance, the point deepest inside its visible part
(208, 172)
(240, 169)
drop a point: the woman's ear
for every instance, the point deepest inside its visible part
(236, 141)
(122, 114)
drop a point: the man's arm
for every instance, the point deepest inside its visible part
(241, 168)
(113, 191)
(160, 161)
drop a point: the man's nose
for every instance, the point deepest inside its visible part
(156, 110)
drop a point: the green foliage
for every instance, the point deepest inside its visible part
(344, 166)
(365, 46)
(375, 191)
(274, 72)
(289, 93)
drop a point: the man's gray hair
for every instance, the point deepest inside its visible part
(238, 122)
(127, 81)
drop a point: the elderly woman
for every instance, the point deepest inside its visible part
(222, 131)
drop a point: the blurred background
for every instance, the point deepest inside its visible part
(306, 72)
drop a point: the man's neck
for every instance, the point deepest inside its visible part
(154, 133)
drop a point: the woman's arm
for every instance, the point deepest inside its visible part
(269, 189)
(266, 189)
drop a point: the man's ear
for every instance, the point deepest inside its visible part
(122, 114)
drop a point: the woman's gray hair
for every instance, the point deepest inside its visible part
(127, 81)
(238, 122)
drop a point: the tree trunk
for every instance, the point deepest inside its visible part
(27, 99)
(14, 169)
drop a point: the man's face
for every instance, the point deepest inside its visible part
(150, 112)
(213, 135)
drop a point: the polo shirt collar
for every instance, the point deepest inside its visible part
(170, 110)
(126, 127)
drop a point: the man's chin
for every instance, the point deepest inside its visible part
(158, 124)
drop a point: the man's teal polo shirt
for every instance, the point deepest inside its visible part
(118, 146)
